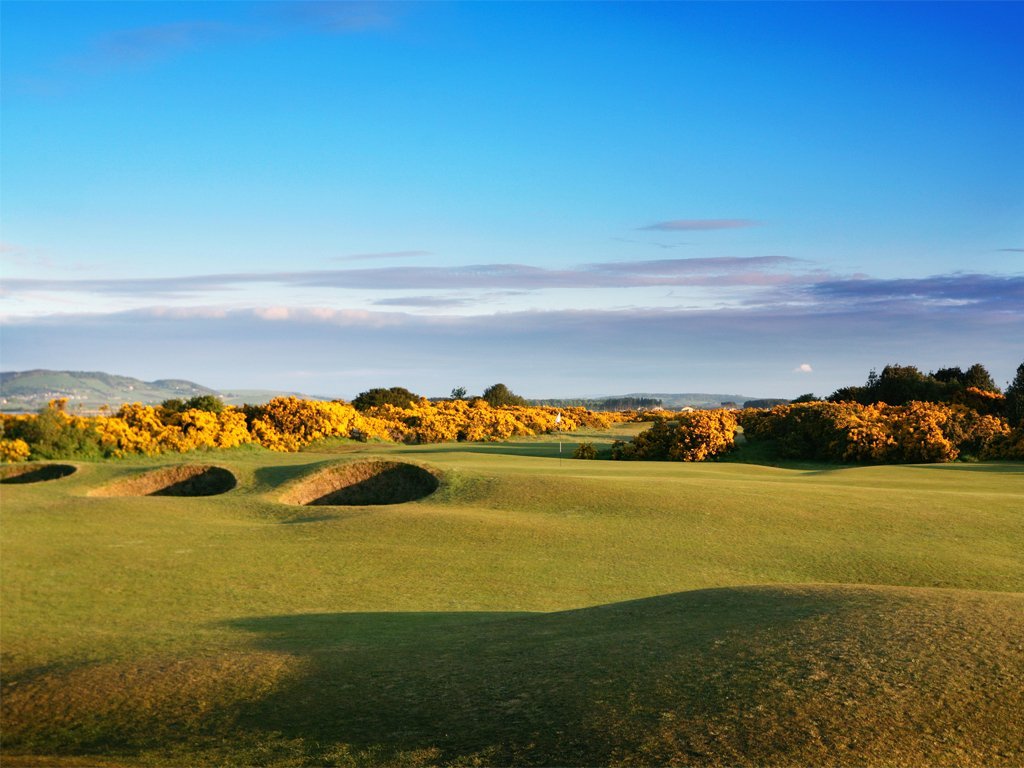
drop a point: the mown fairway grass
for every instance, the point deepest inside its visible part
(531, 611)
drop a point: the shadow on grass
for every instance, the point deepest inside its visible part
(1000, 467)
(34, 473)
(539, 449)
(547, 449)
(749, 676)
(309, 519)
(369, 483)
(509, 688)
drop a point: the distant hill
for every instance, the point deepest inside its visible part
(86, 391)
(602, 404)
(28, 391)
(669, 401)
(256, 396)
(676, 400)
(673, 401)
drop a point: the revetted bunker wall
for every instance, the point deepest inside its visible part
(364, 483)
(184, 480)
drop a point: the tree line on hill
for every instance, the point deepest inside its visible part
(496, 396)
(603, 404)
(766, 402)
(898, 416)
(902, 384)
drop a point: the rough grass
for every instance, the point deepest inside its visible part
(530, 611)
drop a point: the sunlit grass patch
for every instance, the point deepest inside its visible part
(530, 611)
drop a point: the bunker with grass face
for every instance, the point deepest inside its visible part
(34, 473)
(184, 480)
(364, 483)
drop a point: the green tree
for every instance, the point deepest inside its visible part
(862, 395)
(210, 403)
(498, 395)
(585, 451)
(1015, 398)
(400, 397)
(51, 435)
(173, 405)
(978, 376)
(899, 384)
(950, 376)
(459, 393)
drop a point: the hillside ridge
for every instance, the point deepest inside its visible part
(28, 391)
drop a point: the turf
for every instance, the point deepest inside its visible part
(532, 610)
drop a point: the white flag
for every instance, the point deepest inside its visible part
(558, 419)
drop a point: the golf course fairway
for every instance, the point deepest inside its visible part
(523, 608)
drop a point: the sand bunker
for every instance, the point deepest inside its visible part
(186, 480)
(364, 483)
(34, 473)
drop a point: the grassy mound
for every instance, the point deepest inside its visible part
(34, 473)
(184, 480)
(779, 676)
(508, 618)
(364, 483)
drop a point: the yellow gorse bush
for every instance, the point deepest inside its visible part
(289, 424)
(824, 431)
(689, 436)
(917, 432)
(13, 450)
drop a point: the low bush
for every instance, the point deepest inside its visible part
(917, 432)
(585, 451)
(691, 436)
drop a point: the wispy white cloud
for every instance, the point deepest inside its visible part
(13, 254)
(425, 302)
(650, 243)
(696, 225)
(759, 270)
(803, 368)
(143, 44)
(717, 265)
(273, 313)
(1002, 292)
(384, 255)
(751, 282)
(185, 313)
(338, 16)
(625, 350)
(136, 47)
(132, 47)
(721, 271)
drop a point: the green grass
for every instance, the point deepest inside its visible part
(534, 610)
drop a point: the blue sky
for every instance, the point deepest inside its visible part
(571, 198)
